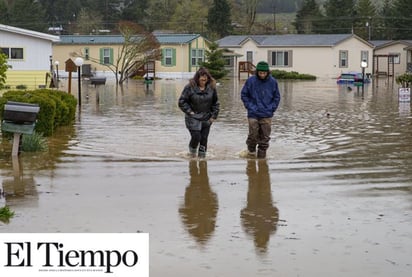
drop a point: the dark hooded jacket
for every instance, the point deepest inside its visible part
(204, 104)
(260, 97)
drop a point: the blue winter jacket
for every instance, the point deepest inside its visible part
(260, 97)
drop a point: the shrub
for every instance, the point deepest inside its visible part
(33, 143)
(21, 87)
(57, 108)
(405, 80)
(6, 214)
(293, 75)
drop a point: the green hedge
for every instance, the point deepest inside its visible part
(405, 80)
(293, 75)
(57, 108)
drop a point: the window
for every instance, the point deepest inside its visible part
(86, 53)
(249, 56)
(343, 58)
(281, 58)
(365, 57)
(13, 53)
(197, 57)
(395, 58)
(5, 51)
(229, 61)
(168, 56)
(106, 55)
(16, 53)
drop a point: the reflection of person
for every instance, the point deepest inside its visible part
(261, 97)
(200, 104)
(198, 212)
(259, 217)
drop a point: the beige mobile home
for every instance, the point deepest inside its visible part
(181, 53)
(391, 58)
(325, 56)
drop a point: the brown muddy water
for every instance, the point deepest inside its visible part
(334, 197)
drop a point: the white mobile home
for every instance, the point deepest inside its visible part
(29, 54)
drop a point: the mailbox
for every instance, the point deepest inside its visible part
(19, 117)
(20, 113)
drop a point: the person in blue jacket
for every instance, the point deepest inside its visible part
(260, 96)
(199, 102)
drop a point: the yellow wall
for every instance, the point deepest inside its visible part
(62, 53)
(31, 79)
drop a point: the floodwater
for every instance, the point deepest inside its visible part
(334, 197)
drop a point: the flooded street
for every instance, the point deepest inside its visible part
(334, 197)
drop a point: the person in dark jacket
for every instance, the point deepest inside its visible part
(260, 96)
(199, 102)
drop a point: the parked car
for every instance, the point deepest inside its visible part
(352, 78)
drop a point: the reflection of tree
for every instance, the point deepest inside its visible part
(259, 217)
(200, 205)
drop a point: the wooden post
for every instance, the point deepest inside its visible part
(16, 144)
(70, 82)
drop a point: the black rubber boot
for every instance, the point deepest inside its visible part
(261, 154)
(202, 152)
(192, 152)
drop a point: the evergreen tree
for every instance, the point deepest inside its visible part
(384, 28)
(189, 17)
(219, 18)
(159, 14)
(109, 10)
(308, 18)
(28, 14)
(4, 13)
(135, 10)
(88, 22)
(339, 16)
(402, 21)
(365, 13)
(215, 61)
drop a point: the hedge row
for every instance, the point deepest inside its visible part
(57, 108)
(293, 75)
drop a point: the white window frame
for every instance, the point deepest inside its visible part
(343, 59)
(197, 56)
(106, 55)
(11, 51)
(281, 58)
(396, 59)
(168, 58)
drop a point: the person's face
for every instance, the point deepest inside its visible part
(262, 74)
(203, 80)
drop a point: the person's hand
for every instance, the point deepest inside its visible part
(191, 113)
(211, 120)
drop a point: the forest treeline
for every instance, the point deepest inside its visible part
(370, 19)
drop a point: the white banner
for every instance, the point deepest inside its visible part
(74, 254)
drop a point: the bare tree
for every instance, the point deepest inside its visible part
(139, 46)
(251, 6)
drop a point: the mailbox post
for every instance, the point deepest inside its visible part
(19, 118)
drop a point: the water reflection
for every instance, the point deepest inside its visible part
(199, 209)
(260, 216)
(18, 186)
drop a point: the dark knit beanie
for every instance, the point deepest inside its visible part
(262, 66)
